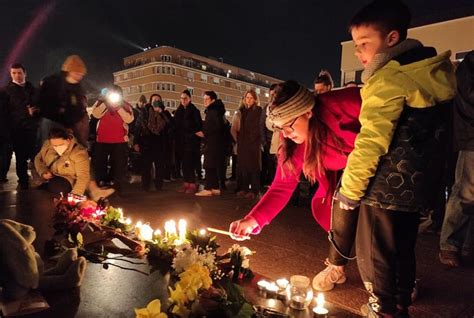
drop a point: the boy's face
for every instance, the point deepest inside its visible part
(369, 41)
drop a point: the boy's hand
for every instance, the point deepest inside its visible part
(346, 203)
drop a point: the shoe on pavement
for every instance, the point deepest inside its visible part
(216, 192)
(327, 278)
(450, 258)
(192, 188)
(204, 193)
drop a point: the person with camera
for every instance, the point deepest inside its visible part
(114, 115)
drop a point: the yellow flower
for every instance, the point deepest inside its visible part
(152, 310)
(177, 295)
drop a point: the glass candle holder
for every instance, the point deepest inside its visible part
(300, 293)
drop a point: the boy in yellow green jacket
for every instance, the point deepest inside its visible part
(399, 152)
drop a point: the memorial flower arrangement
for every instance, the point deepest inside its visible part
(202, 283)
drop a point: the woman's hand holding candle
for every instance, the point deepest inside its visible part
(241, 229)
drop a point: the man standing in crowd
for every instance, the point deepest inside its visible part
(22, 120)
(457, 231)
(188, 125)
(268, 156)
(62, 101)
(323, 83)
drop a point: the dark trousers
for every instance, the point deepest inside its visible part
(5, 158)
(150, 157)
(190, 161)
(342, 234)
(178, 163)
(212, 179)
(385, 248)
(23, 143)
(249, 178)
(117, 156)
(199, 167)
(268, 168)
(234, 167)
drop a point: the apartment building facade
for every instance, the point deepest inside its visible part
(168, 71)
(455, 35)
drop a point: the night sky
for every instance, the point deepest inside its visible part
(281, 38)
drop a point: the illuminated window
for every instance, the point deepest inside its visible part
(166, 58)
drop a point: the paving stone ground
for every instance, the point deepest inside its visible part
(292, 244)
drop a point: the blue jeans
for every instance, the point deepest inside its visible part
(458, 225)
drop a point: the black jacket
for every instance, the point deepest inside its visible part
(4, 118)
(214, 135)
(249, 139)
(19, 97)
(61, 101)
(187, 122)
(464, 105)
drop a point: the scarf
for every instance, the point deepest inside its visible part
(382, 58)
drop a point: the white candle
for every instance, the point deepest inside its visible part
(262, 284)
(120, 211)
(170, 228)
(182, 230)
(202, 232)
(146, 233)
(271, 290)
(128, 221)
(157, 232)
(319, 309)
(282, 283)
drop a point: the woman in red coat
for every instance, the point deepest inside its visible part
(318, 135)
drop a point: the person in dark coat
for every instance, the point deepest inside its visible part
(268, 159)
(5, 145)
(188, 129)
(63, 103)
(214, 143)
(247, 131)
(150, 141)
(23, 120)
(456, 239)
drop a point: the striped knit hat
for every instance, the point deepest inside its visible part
(297, 105)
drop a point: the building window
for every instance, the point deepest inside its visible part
(257, 90)
(227, 84)
(216, 80)
(173, 71)
(188, 62)
(238, 85)
(165, 58)
(191, 90)
(191, 76)
(204, 78)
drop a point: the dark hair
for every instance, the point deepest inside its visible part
(272, 87)
(187, 92)
(350, 83)
(384, 15)
(318, 136)
(211, 94)
(18, 65)
(59, 132)
(153, 95)
(325, 78)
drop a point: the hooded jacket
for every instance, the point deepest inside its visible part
(214, 135)
(405, 118)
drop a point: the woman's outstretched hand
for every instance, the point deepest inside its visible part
(241, 229)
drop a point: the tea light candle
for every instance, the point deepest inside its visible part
(319, 310)
(182, 230)
(271, 290)
(282, 283)
(146, 233)
(298, 302)
(202, 232)
(262, 284)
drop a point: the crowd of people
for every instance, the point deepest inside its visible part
(377, 156)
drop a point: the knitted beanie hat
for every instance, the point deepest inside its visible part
(297, 105)
(74, 63)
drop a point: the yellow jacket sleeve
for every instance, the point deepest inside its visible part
(383, 99)
(82, 165)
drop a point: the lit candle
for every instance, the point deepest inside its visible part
(170, 228)
(319, 310)
(120, 211)
(70, 199)
(202, 232)
(262, 284)
(138, 228)
(282, 283)
(182, 230)
(146, 233)
(128, 221)
(271, 290)
(157, 232)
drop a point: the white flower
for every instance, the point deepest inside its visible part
(185, 258)
(246, 263)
